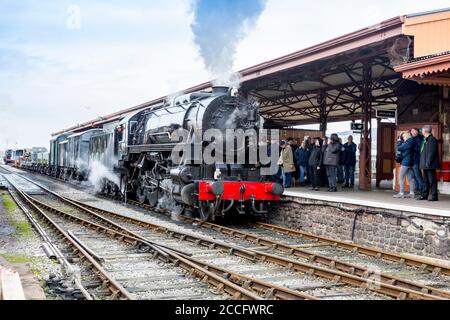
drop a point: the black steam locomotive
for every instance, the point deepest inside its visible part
(134, 157)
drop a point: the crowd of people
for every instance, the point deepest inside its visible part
(328, 162)
(418, 156)
(318, 162)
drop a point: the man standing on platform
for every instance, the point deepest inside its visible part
(349, 159)
(331, 157)
(429, 163)
(418, 178)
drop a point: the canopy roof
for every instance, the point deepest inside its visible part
(433, 70)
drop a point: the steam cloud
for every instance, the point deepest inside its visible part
(218, 27)
(99, 173)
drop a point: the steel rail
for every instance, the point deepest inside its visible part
(321, 259)
(209, 277)
(111, 224)
(51, 247)
(116, 289)
(252, 283)
(365, 281)
(267, 289)
(426, 265)
(430, 266)
(391, 288)
(165, 255)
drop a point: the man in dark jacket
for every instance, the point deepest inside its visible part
(418, 178)
(429, 163)
(315, 164)
(331, 161)
(349, 160)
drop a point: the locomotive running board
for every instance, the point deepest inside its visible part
(151, 148)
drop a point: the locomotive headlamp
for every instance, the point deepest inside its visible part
(217, 188)
(277, 189)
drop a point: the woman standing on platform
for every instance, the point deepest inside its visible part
(405, 150)
(288, 166)
(315, 163)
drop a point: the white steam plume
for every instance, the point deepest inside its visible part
(98, 173)
(167, 202)
(218, 27)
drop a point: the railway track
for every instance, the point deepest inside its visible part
(101, 229)
(126, 267)
(390, 268)
(93, 278)
(280, 247)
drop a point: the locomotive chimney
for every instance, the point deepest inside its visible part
(220, 90)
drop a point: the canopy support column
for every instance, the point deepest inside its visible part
(321, 100)
(365, 160)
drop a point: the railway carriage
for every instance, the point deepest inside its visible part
(7, 158)
(57, 155)
(77, 166)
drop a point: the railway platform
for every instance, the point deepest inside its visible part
(372, 218)
(378, 199)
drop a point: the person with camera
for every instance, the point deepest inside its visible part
(429, 163)
(331, 161)
(405, 156)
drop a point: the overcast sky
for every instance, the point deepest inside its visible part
(66, 62)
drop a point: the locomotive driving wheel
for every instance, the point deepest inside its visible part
(206, 210)
(152, 197)
(141, 195)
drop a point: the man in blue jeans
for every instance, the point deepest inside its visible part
(349, 161)
(418, 178)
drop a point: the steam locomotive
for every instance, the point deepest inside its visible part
(138, 154)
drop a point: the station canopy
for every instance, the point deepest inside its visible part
(331, 89)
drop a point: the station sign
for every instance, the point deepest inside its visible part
(386, 114)
(357, 127)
